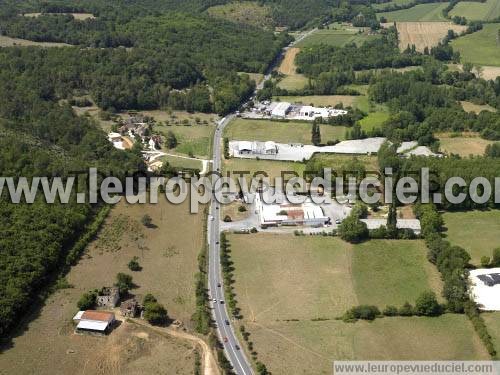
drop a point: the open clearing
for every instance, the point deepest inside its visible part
(249, 13)
(338, 161)
(424, 34)
(382, 6)
(421, 12)
(480, 47)
(292, 80)
(257, 77)
(191, 140)
(6, 41)
(281, 132)
(489, 10)
(476, 231)
(169, 261)
(77, 16)
(374, 120)
(465, 145)
(284, 284)
(337, 35)
(476, 108)
(307, 347)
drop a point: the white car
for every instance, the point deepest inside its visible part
(210, 217)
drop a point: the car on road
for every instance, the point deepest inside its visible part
(210, 217)
(225, 339)
(338, 221)
(216, 242)
(237, 347)
(227, 322)
(214, 300)
(221, 302)
(218, 284)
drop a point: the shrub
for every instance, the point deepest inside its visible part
(146, 220)
(406, 309)
(485, 261)
(242, 208)
(87, 301)
(390, 311)
(155, 313)
(134, 265)
(495, 261)
(353, 230)
(365, 312)
(427, 304)
(227, 219)
(123, 283)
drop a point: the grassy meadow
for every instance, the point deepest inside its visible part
(421, 12)
(480, 47)
(336, 35)
(281, 132)
(476, 231)
(489, 10)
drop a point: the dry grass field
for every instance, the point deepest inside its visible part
(465, 145)
(6, 41)
(424, 34)
(476, 108)
(271, 167)
(169, 260)
(292, 80)
(290, 290)
(248, 12)
(307, 347)
(287, 66)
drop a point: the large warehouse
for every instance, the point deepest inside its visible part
(485, 288)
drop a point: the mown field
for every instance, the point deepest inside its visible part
(290, 289)
(421, 12)
(382, 6)
(489, 10)
(476, 108)
(281, 132)
(424, 34)
(374, 120)
(169, 261)
(464, 145)
(337, 161)
(476, 231)
(337, 35)
(480, 47)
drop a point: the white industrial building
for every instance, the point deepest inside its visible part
(308, 112)
(485, 288)
(280, 110)
(254, 148)
(283, 212)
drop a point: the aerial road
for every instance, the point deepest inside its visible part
(234, 352)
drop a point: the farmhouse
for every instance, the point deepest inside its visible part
(108, 297)
(485, 288)
(94, 321)
(129, 308)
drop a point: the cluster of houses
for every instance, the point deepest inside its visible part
(101, 321)
(134, 127)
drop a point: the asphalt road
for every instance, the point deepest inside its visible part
(227, 336)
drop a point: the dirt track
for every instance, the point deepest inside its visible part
(288, 64)
(209, 363)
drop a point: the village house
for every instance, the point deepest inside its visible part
(130, 308)
(108, 297)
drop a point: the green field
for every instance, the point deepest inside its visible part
(493, 323)
(284, 283)
(480, 47)
(178, 162)
(374, 120)
(293, 82)
(281, 132)
(336, 37)
(193, 139)
(476, 231)
(486, 11)
(421, 12)
(338, 161)
(392, 272)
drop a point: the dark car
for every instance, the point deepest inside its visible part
(237, 347)
(227, 322)
(221, 302)
(225, 339)
(218, 284)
